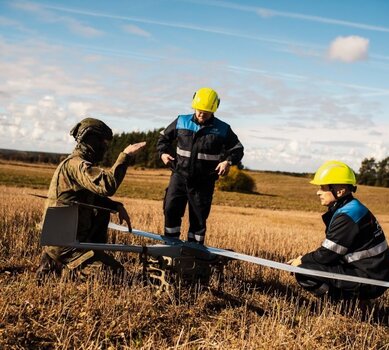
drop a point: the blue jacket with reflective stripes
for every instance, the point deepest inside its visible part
(199, 148)
(355, 238)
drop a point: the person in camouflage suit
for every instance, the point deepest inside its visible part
(77, 178)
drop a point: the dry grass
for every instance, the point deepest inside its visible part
(259, 308)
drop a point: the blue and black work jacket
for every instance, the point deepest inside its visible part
(199, 148)
(353, 237)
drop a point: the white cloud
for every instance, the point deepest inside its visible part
(44, 92)
(379, 150)
(349, 49)
(44, 110)
(132, 29)
(6, 22)
(31, 111)
(38, 131)
(48, 16)
(270, 147)
(47, 102)
(92, 58)
(27, 6)
(80, 108)
(266, 12)
(82, 29)
(17, 132)
(192, 27)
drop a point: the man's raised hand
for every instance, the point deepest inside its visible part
(134, 148)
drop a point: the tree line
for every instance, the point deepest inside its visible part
(147, 158)
(371, 172)
(374, 173)
(31, 156)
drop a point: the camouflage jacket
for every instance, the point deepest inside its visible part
(77, 179)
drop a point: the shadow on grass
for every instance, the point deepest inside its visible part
(229, 300)
(253, 193)
(373, 311)
(15, 270)
(378, 314)
(263, 194)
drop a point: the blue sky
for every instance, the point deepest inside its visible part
(300, 82)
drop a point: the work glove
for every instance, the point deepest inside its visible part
(123, 216)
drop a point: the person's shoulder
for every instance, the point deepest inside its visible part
(182, 119)
(220, 123)
(75, 158)
(185, 116)
(353, 209)
(76, 161)
(185, 121)
(222, 126)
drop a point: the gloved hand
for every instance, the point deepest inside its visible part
(295, 262)
(123, 216)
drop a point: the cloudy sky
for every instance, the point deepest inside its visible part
(300, 81)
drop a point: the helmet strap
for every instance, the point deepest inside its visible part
(333, 191)
(351, 189)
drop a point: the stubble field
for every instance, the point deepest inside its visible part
(257, 308)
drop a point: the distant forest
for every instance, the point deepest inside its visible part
(31, 156)
(371, 172)
(374, 173)
(148, 158)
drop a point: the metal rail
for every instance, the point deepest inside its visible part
(256, 260)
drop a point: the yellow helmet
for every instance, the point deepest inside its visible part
(334, 172)
(206, 99)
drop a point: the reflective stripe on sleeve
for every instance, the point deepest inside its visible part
(363, 254)
(183, 153)
(205, 156)
(337, 248)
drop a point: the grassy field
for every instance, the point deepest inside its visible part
(258, 308)
(274, 191)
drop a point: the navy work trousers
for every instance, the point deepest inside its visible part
(198, 195)
(337, 289)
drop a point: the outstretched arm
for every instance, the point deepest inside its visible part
(100, 181)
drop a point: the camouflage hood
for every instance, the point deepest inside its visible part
(90, 135)
(91, 126)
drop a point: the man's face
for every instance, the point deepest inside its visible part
(202, 116)
(325, 195)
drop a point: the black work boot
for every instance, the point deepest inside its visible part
(47, 267)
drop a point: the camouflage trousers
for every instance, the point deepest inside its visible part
(82, 262)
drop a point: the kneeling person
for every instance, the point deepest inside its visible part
(77, 178)
(355, 243)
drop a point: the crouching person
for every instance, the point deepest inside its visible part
(77, 178)
(354, 245)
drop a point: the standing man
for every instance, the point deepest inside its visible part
(355, 243)
(206, 147)
(77, 178)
